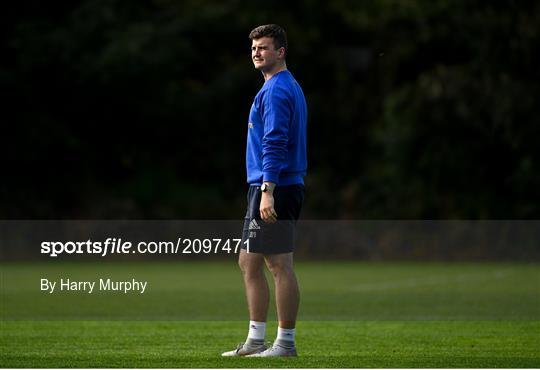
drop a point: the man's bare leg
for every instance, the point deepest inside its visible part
(257, 292)
(287, 295)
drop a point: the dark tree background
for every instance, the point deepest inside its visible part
(417, 109)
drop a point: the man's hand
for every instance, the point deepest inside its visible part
(268, 213)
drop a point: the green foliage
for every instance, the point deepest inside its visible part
(417, 109)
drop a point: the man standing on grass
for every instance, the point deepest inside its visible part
(276, 165)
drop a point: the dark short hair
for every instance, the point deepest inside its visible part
(270, 30)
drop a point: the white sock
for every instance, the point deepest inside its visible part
(257, 330)
(286, 335)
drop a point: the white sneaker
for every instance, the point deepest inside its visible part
(276, 351)
(244, 350)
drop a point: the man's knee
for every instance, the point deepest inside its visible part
(279, 266)
(251, 266)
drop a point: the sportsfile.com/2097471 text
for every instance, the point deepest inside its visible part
(118, 246)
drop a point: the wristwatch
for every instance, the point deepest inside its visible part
(264, 187)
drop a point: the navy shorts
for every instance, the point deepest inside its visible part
(277, 237)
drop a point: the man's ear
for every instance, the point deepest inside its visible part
(282, 52)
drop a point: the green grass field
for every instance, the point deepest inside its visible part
(352, 315)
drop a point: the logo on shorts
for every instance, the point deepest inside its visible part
(253, 225)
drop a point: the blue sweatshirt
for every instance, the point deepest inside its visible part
(276, 141)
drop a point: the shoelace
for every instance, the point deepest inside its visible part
(239, 347)
(267, 344)
(275, 345)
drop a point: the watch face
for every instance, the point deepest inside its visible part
(263, 187)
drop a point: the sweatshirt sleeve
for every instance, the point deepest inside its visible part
(276, 117)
